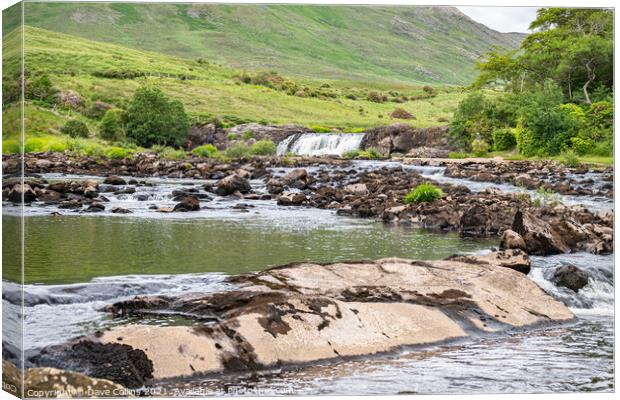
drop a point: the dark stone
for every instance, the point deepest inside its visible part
(569, 276)
(114, 180)
(189, 203)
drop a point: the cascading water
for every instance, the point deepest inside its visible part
(318, 144)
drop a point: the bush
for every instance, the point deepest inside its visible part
(247, 135)
(118, 153)
(371, 154)
(457, 155)
(232, 136)
(479, 147)
(206, 150)
(11, 147)
(40, 88)
(401, 113)
(582, 145)
(97, 110)
(75, 129)
(153, 119)
(376, 97)
(504, 139)
(351, 154)
(423, 193)
(429, 90)
(569, 159)
(111, 126)
(170, 153)
(238, 150)
(263, 148)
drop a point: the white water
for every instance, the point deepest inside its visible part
(318, 144)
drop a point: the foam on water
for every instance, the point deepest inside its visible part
(317, 144)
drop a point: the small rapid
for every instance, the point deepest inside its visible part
(318, 144)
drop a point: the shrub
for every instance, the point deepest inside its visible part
(351, 154)
(401, 113)
(569, 159)
(117, 153)
(238, 150)
(40, 88)
(247, 135)
(232, 136)
(206, 150)
(582, 145)
(429, 90)
(111, 126)
(479, 147)
(504, 139)
(263, 148)
(371, 154)
(170, 153)
(376, 97)
(75, 129)
(153, 119)
(97, 110)
(11, 146)
(423, 193)
(457, 155)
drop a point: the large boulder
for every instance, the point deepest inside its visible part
(308, 312)
(231, 184)
(539, 237)
(569, 276)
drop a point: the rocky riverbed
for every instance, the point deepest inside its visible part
(253, 322)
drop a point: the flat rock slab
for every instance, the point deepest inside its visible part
(302, 313)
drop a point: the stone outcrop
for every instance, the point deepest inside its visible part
(402, 138)
(307, 312)
(275, 133)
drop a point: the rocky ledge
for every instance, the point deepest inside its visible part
(306, 312)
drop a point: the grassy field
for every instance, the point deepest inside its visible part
(205, 89)
(365, 43)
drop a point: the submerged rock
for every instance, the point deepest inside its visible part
(307, 312)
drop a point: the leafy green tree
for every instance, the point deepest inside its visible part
(154, 119)
(112, 125)
(75, 129)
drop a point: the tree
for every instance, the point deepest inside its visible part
(153, 119)
(111, 126)
(571, 46)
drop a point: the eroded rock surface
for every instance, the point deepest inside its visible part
(308, 312)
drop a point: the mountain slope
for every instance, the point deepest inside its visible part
(111, 73)
(408, 44)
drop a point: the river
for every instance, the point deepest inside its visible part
(77, 263)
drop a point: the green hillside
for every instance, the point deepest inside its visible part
(110, 73)
(407, 44)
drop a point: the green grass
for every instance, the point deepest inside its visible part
(362, 43)
(213, 91)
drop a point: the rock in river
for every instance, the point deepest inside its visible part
(114, 180)
(308, 312)
(231, 184)
(569, 276)
(189, 203)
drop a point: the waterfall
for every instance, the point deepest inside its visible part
(318, 144)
